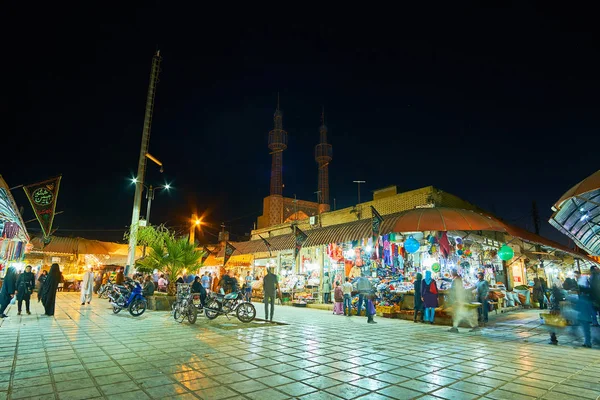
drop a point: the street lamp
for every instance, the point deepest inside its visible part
(150, 196)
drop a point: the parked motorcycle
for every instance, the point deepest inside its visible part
(185, 307)
(130, 297)
(219, 304)
(105, 289)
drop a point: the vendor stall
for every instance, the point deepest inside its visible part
(14, 239)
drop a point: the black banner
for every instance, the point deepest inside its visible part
(229, 249)
(300, 239)
(376, 221)
(42, 196)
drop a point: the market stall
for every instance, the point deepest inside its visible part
(14, 239)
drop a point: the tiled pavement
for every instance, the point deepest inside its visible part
(87, 352)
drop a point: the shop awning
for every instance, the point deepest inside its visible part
(577, 214)
(63, 245)
(445, 219)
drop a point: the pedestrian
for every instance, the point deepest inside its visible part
(270, 289)
(97, 282)
(248, 279)
(9, 286)
(48, 292)
(371, 307)
(120, 277)
(429, 296)
(215, 283)
(537, 292)
(556, 297)
(41, 280)
(483, 292)
(148, 288)
(25, 285)
(338, 298)
(595, 293)
(197, 287)
(418, 297)
(458, 300)
(347, 290)
(544, 287)
(326, 289)
(206, 281)
(364, 291)
(162, 283)
(87, 287)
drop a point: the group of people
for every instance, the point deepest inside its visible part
(342, 296)
(23, 285)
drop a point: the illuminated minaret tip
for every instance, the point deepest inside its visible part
(323, 156)
(277, 143)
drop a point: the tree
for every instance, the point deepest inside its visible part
(171, 258)
(151, 235)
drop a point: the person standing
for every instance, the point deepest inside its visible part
(270, 289)
(87, 287)
(418, 297)
(42, 279)
(347, 291)
(326, 288)
(537, 292)
(364, 291)
(25, 285)
(205, 281)
(8, 290)
(338, 298)
(429, 296)
(248, 279)
(483, 292)
(48, 292)
(120, 277)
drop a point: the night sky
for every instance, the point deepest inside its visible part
(496, 104)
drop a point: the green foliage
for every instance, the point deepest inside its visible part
(171, 258)
(151, 235)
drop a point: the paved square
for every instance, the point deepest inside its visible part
(87, 352)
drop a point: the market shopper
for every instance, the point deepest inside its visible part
(347, 291)
(248, 284)
(364, 288)
(206, 281)
(8, 290)
(338, 298)
(418, 299)
(483, 292)
(595, 293)
(48, 292)
(148, 287)
(87, 287)
(120, 277)
(25, 286)
(270, 289)
(326, 289)
(429, 296)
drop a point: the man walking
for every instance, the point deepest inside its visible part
(347, 291)
(270, 289)
(365, 293)
(87, 287)
(483, 291)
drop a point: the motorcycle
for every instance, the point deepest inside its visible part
(185, 305)
(105, 289)
(129, 297)
(219, 304)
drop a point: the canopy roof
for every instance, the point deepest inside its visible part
(9, 212)
(577, 214)
(64, 245)
(445, 219)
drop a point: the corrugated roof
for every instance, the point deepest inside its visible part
(64, 245)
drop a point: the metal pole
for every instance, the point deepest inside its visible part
(193, 228)
(139, 183)
(358, 186)
(150, 196)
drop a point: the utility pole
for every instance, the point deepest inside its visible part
(358, 184)
(141, 173)
(536, 226)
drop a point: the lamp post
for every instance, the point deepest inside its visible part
(150, 196)
(195, 223)
(358, 184)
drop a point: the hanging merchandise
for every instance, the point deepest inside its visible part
(445, 247)
(459, 252)
(435, 267)
(506, 253)
(411, 245)
(458, 240)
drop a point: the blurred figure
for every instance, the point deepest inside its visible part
(595, 293)
(557, 295)
(338, 298)
(585, 310)
(458, 299)
(87, 287)
(148, 287)
(206, 281)
(162, 283)
(483, 293)
(8, 290)
(25, 285)
(418, 297)
(429, 296)
(326, 288)
(120, 277)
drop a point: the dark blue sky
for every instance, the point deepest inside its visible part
(495, 104)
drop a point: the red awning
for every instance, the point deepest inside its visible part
(445, 219)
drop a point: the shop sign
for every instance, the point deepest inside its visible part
(56, 260)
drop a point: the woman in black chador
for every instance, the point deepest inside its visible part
(48, 292)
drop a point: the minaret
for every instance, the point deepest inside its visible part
(277, 143)
(323, 156)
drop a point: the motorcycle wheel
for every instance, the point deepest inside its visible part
(192, 314)
(116, 309)
(212, 309)
(137, 307)
(246, 312)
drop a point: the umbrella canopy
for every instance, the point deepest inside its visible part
(446, 219)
